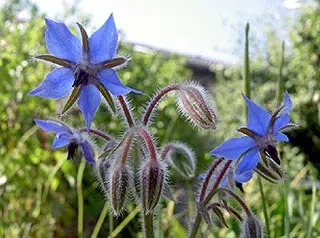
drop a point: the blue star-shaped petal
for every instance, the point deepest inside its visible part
(67, 136)
(87, 68)
(262, 134)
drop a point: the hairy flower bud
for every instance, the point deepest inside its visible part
(251, 228)
(120, 181)
(194, 105)
(153, 175)
(102, 172)
(181, 158)
(271, 172)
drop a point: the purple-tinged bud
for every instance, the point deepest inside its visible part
(252, 228)
(271, 172)
(153, 176)
(194, 105)
(181, 158)
(120, 183)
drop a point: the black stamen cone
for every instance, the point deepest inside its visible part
(81, 77)
(239, 185)
(271, 151)
(72, 149)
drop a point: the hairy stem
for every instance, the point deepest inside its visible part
(205, 200)
(229, 209)
(127, 144)
(149, 143)
(80, 197)
(98, 133)
(265, 207)
(195, 225)
(126, 111)
(205, 184)
(217, 182)
(148, 225)
(238, 199)
(155, 100)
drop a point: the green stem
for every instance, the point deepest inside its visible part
(51, 177)
(204, 201)
(195, 226)
(247, 92)
(124, 223)
(246, 73)
(110, 223)
(286, 210)
(280, 78)
(312, 207)
(126, 111)
(264, 205)
(159, 227)
(100, 220)
(148, 225)
(80, 197)
(190, 200)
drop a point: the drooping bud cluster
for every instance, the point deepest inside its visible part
(181, 158)
(153, 174)
(114, 174)
(194, 105)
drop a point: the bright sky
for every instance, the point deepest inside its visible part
(208, 28)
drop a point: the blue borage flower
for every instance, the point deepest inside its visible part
(67, 136)
(262, 134)
(87, 69)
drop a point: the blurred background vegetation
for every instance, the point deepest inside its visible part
(37, 184)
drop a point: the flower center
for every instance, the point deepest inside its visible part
(82, 75)
(72, 148)
(271, 152)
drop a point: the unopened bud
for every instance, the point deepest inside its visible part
(102, 172)
(252, 228)
(153, 174)
(120, 181)
(271, 172)
(194, 105)
(181, 158)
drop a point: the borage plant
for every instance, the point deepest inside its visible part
(132, 167)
